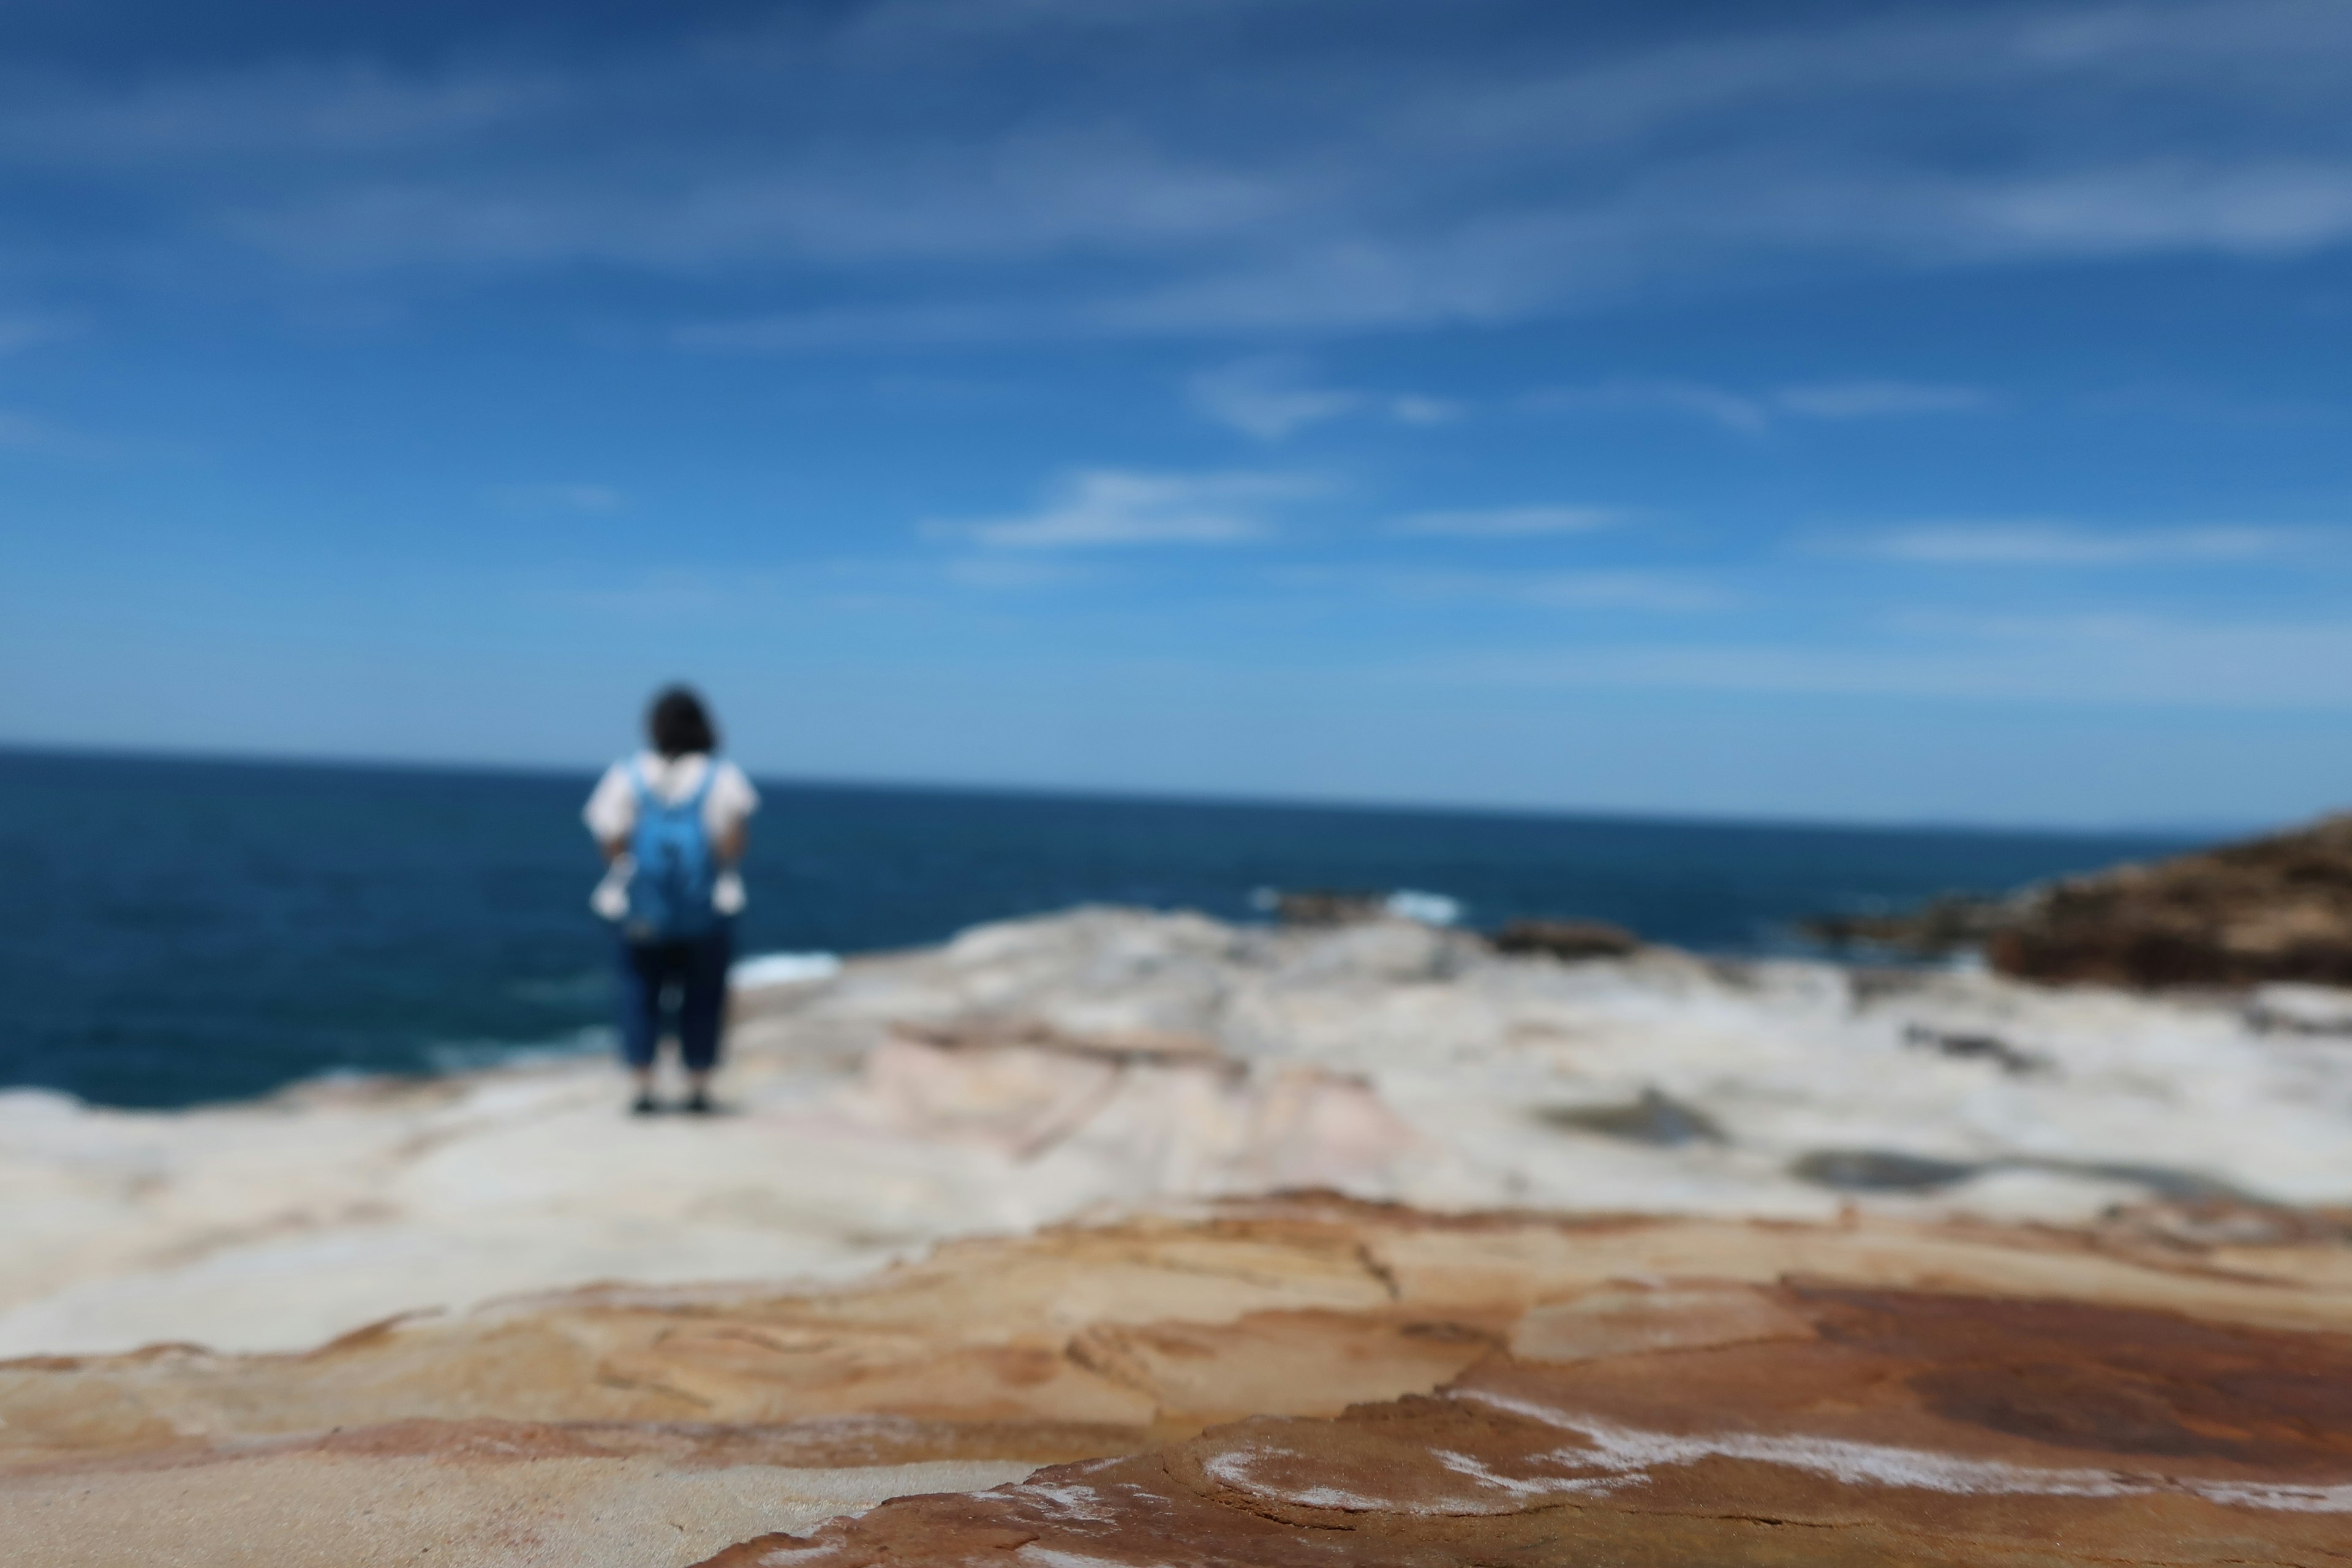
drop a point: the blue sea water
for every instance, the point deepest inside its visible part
(174, 931)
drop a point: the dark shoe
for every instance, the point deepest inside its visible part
(698, 1103)
(644, 1105)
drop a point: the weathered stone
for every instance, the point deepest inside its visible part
(2275, 909)
(1852, 1427)
(1410, 1388)
(1038, 1070)
(2272, 909)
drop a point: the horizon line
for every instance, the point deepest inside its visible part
(2206, 832)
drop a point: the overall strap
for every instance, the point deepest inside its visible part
(648, 799)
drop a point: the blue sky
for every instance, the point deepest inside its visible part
(1860, 410)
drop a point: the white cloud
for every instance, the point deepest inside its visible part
(1731, 410)
(1268, 398)
(1509, 521)
(2178, 204)
(29, 432)
(1753, 413)
(1876, 399)
(2139, 661)
(1656, 591)
(1112, 507)
(20, 333)
(2047, 544)
(1411, 408)
(1188, 169)
(23, 433)
(1185, 168)
(1271, 395)
(545, 498)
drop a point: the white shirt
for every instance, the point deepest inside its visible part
(611, 812)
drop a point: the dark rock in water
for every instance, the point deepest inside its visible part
(1653, 1119)
(2270, 908)
(1328, 906)
(1955, 922)
(1566, 939)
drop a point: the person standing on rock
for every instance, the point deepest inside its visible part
(673, 822)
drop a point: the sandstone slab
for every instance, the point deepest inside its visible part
(1276, 1380)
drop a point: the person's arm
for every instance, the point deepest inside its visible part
(733, 800)
(611, 813)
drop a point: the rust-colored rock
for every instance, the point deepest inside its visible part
(1811, 1426)
(1276, 1381)
(2273, 909)
(2277, 909)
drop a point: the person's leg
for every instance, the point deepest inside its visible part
(702, 1010)
(639, 981)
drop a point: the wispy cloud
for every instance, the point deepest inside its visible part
(1086, 168)
(1269, 397)
(1752, 413)
(560, 498)
(1096, 508)
(1508, 522)
(29, 432)
(2134, 660)
(1411, 408)
(18, 333)
(998, 573)
(1876, 399)
(1656, 592)
(2048, 543)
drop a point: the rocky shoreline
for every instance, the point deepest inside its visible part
(1638, 1257)
(2276, 909)
(1036, 1070)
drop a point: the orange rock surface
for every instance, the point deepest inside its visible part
(1272, 1382)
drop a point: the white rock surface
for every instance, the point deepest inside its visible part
(1032, 1071)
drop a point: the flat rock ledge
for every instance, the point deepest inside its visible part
(1293, 1380)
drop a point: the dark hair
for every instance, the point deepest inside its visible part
(679, 724)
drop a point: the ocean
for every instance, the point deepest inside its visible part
(177, 932)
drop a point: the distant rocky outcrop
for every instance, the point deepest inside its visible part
(1299, 1380)
(2267, 910)
(2272, 909)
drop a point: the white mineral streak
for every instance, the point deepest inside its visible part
(1048, 1068)
(1238, 1468)
(1630, 1454)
